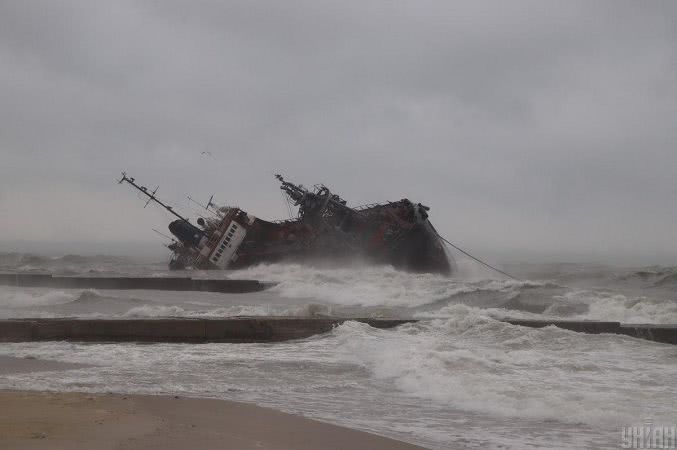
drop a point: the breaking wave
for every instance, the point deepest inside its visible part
(434, 296)
(310, 310)
(433, 382)
(458, 368)
(22, 298)
(621, 308)
(654, 276)
(378, 291)
(474, 363)
(371, 285)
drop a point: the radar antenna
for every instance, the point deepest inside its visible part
(213, 211)
(152, 196)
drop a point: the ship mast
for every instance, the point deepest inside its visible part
(150, 195)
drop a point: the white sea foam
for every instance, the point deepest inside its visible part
(436, 383)
(474, 363)
(368, 285)
(454, 309)
(26, 298)
(305, 310)
(604, 305)
(443, 382)
(359, 290)
(437, 296)
(155, 311)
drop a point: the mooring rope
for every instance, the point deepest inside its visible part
(476, 259)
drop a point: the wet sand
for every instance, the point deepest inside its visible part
(44, 420)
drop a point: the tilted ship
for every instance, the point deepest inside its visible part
(395, 233)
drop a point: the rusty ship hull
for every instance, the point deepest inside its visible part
(393, 233)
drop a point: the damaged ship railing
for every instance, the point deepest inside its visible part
(368, 206)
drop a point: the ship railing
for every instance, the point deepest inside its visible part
(369, 206)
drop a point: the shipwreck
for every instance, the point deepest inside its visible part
(395, 233)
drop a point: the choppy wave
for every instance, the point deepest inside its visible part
(458, 368)
(432, 382)
(70, 264)
(474, 363)
(425, 295)
(575, 305)
(654, 276)
(308, 310)
(19, 259)
(622, 308)
(371, 285)
(27, 298)
(368, 291)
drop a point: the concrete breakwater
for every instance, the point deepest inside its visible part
(155, 283)
(257, 329)
(664, 333)
(236, 329)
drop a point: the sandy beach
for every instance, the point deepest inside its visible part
(70, 421)
(47, 420)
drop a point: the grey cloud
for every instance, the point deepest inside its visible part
(528, 126)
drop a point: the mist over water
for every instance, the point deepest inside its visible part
(459, 377)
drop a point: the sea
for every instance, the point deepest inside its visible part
(458, 378)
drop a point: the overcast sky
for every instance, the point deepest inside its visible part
(544, 128)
